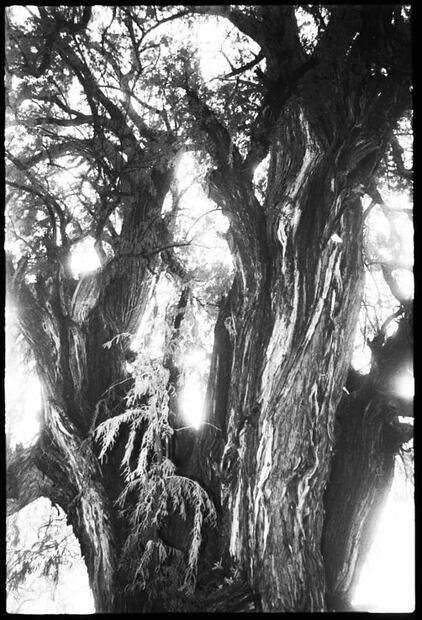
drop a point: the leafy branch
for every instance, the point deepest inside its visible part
(153, 490)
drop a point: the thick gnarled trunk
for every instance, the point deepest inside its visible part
(288, 393)
(291, 325)
(63, 467)
(84, 383)
(369, 434)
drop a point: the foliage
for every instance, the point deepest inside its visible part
(43, 555)
(152, 489)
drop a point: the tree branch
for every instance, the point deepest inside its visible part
(118, 123)
(64, 122)
(247, 24)
(227, 153)
(36, 188)
(245, 67)
(25, 481)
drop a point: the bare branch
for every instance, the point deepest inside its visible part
(226, 152)
(51, 204)
(117, 123)
(245, 23)
(245, 67)
(53, 151)
(167, 19)
(64, 122)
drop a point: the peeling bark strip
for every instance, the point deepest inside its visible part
(306, 361)
(291, 330)
(89, 510)
(25, 482)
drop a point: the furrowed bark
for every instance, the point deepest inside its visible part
(297, 301)
(25, 481)
(63, 468)
(300, 270)
(285, 442)
(90, 510)
(66, 324)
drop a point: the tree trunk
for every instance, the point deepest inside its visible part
(361, 478)
(67, 324)
(369, 435)
(299, 265)
(293, 316)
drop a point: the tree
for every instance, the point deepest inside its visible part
(326, 121)
(322, 110)
(39, 562)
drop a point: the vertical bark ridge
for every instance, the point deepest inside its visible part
(286, 384)
(71, 466)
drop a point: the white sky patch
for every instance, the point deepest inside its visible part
(207, 242)
(391, 329)
(75, 93)
(167, 204)
(194, 358)
(390, 227)
(405, 385)
(26, 428)
(405, 281)
(215, 47)
(19, 14)
(308, 29)
(84, 258)
(31, 410)
(361, 360)
(387, 580)
(260, 177)
(192, 401)
(72, 595)
(209, 39)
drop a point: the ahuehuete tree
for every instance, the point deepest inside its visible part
(116, 97)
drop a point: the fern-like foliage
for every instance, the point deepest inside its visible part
(152, 488)
(36, 556)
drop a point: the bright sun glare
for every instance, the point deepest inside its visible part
(192, 403)
(26, 426)
(387, 580)
(84, 258)
(405, 385)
